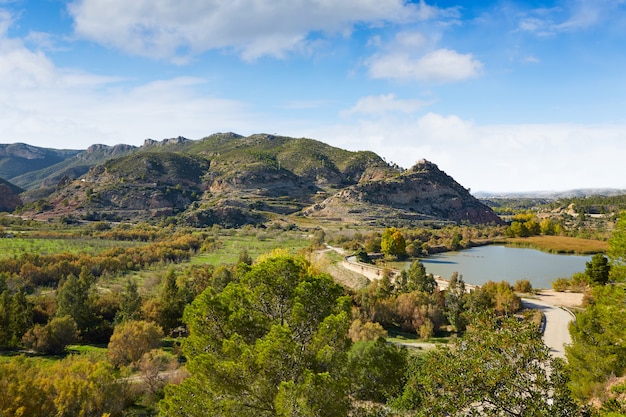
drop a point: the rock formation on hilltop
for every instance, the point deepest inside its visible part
(423, 192)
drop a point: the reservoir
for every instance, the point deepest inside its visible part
(502, 263)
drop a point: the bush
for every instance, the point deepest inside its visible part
(560, 284)
(53, 337)
(131, 340)
(523, 286)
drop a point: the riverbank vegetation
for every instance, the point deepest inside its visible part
(560, 244)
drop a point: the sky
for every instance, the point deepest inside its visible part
(502, 95)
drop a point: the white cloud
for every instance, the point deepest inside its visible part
(48, 106)
(571, 16)
(438, 66)
(386, 103)
(528, 157)
(531, 59)
(165, 29)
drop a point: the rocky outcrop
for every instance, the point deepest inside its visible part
(170, 141)
(420, 193)
(9, 196)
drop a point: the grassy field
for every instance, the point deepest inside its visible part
(560, 244)
(47, 246)
(232, 246)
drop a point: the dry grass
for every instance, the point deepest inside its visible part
(560, 244)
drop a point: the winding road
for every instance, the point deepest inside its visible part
(556, 327)
(556, 324)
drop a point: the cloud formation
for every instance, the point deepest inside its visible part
(520, 157)
(570, 16)
(164, 29)
(386, 103)
(439, 66)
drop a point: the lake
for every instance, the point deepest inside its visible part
(497, 263)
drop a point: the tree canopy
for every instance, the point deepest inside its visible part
(499, 368)
(272, 343)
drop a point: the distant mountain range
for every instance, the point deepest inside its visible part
(553, 195)
(232, 180)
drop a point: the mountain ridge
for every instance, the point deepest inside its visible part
(230, 179)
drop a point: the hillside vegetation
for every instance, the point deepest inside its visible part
(232, 180)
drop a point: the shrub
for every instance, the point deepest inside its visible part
(53, 337)
(523, 286)
(131, 340)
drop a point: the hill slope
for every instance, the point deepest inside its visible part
(423, 192)
(232, 180)
(9, 196)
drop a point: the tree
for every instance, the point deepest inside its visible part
(418, 280)
(130, 305)
(377, 370)
(598, 269)
(266, 346)
(617, 248)
(455, 302)
(498, 368)
(392, 243)
(153, 367)
(16, 317)
(171, 303)
(131, 340)
(84, 386)
(598, 349)
(76, 298)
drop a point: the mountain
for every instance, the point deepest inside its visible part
(554, 195)
(232, 180)
(423, 192)
(9, 196)
(19, 158)
(44, 180)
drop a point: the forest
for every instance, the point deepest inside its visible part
(100, 319)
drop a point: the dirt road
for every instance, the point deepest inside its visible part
(557, 318)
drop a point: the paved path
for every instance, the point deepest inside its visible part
(556, 333)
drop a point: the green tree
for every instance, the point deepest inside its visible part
(392, 243)
(455, 302)
(130, 304)
(377, 370)
(617, 249)
(598, 348)
(171, 302)
(416, 279)
(76, 298)
(498, 368)
(264, 346)
(16, 317)
(598, 269)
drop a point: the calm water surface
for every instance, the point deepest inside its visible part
(497, 263)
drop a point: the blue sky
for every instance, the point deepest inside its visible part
(502, 95)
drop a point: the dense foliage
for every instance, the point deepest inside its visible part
(271, 343)
(499, 368)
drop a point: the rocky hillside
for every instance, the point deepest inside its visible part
(423, 192)
(18, 158)
(9, 196)
(232, 180)
(43, 181)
